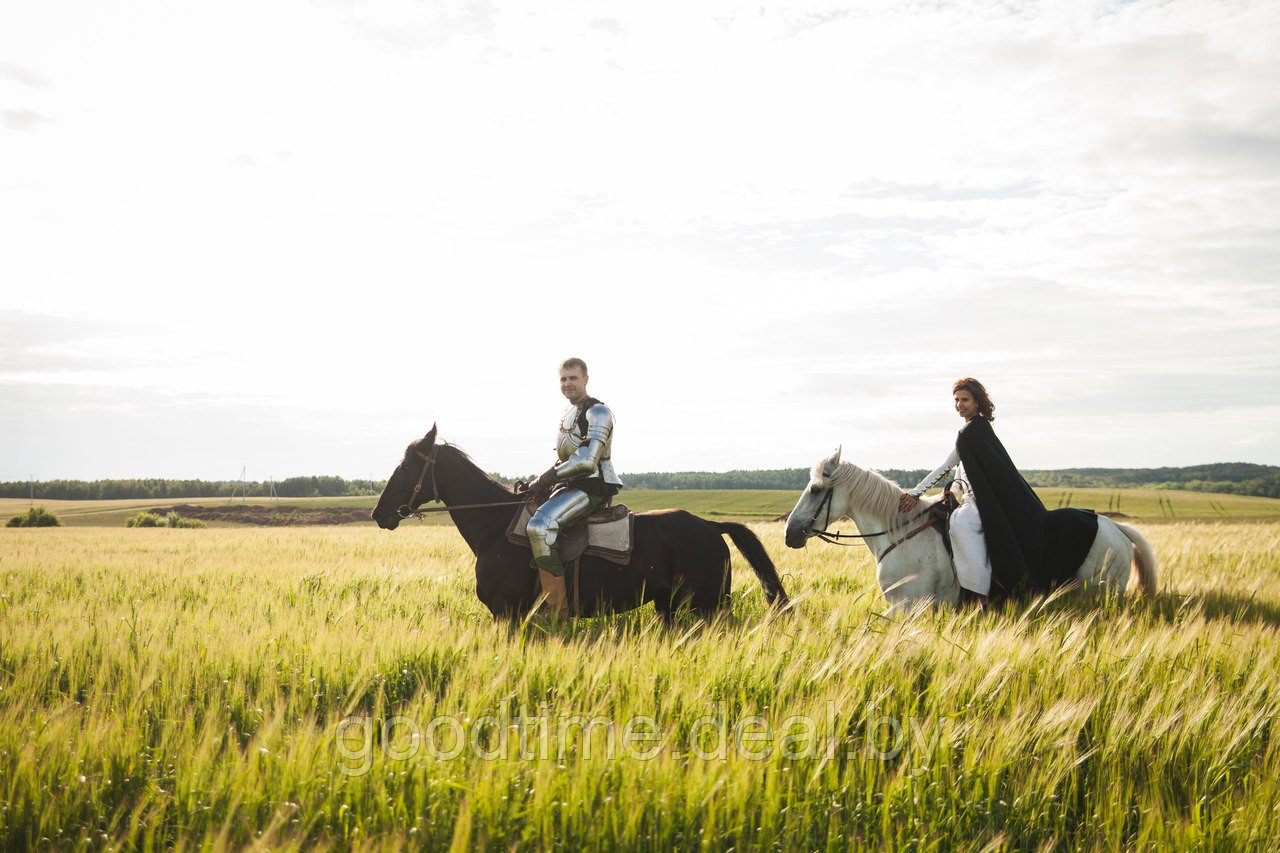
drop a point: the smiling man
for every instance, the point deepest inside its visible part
(582, 480)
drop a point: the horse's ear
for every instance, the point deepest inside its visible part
(835, 460)
(429, 439)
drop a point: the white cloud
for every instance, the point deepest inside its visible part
(802, 218)
(23, 75)
(22, 119)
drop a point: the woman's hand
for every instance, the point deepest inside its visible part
(907, 502)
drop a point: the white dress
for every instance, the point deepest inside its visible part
(973, 564)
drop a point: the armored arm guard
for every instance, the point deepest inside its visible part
(585, 460)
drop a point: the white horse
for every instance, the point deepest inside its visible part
(912, 563)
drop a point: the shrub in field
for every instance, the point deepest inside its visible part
(151, 519)
(35, 517)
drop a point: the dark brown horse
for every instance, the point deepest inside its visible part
(678, 559)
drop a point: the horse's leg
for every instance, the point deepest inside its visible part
(663, 540)
(505, 583)
(662, 603)
(918, 571)
(710, 581)
(900, 586)
(699, 564)
(905, 581)
(487, 587)
(655, 589)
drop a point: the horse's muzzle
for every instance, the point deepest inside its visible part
(390, 522)
(798, 535)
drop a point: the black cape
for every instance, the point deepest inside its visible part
(1032, 549)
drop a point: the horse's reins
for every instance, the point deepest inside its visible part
(407, 511)
(833, 538)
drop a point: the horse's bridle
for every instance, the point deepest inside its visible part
(429, 464)
(833, 538)
(827, 535)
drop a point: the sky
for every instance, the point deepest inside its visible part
(287, 237)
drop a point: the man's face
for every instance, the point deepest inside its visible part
(573, 384)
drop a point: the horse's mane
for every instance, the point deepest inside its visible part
(868, 490)
(411, 453)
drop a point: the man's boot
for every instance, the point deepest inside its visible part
(551, 576)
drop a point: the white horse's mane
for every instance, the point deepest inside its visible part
(868, 490)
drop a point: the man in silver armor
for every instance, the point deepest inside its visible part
(582, 480)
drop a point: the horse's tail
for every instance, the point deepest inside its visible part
(1144, 558)
(750, 546)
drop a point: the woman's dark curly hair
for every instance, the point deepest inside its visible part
(986, 408)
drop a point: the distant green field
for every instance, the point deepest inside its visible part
(748, 504)
(1146, 504)
(1155, 504)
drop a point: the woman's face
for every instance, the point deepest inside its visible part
(965, 405)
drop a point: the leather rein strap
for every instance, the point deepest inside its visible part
(826, 536)
(933, 519)
(429, 460)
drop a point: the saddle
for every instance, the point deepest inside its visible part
(939, 516)
(607, 533)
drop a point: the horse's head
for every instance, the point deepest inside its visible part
(410, 485)
(820, 504)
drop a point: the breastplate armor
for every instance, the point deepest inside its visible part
(568, 440)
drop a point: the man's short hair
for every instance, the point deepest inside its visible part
(571, 363)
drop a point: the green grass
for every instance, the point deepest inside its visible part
(185, 687)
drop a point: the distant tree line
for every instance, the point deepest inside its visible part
(1171, 478)
(1233, 478)
(1241, 478)
(88, 490)
(1238, 478)
(1260, 487)
(790, 479)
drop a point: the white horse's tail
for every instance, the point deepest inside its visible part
(1144, 558)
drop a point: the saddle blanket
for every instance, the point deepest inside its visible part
(610, 535)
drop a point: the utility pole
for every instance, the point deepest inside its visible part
(239, 487)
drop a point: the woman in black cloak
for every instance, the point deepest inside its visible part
(1003, 540)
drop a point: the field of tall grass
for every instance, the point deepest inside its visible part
(343, 687)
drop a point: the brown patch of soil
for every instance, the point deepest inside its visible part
(269, 516)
